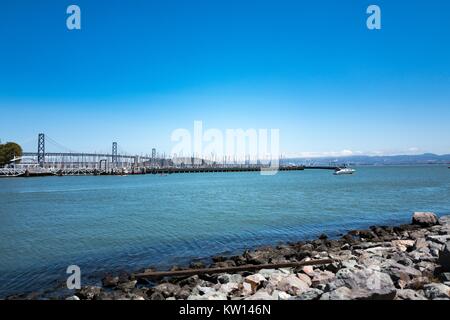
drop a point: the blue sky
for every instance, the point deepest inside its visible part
(137, 70)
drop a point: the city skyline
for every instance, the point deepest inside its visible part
(135, 73)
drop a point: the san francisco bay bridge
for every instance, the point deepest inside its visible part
(42, 162)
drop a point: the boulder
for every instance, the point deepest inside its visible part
(156, 296)
(197, 265)
(444, 257)
(420, 244)
(417, 283)
(403, 245)
(310, 294)
(268, 273)
(112, 295)
(255, 280)
(322, 277)
(261, 256)
(408, 294)
(292, 285)
(280, 295)
(323, 236)
(127, 286)
(309, 270)
(260, 295)
(167, 289)
(438, 239)
(183, 293)
(398, 271)
(211, 295)
(246, 289)
(72, 298)
(190, 281)
(341, 293)
(305, 278)
(224, 264)
(425, 219)
(229, 287)
(225, 278)
(133, 296)
(445, 276)
(109, 281)
(436, 291)
(365, 284)
(88, 292)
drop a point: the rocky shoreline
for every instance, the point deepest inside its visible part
(406, 262)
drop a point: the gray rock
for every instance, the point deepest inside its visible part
(183, 293)
(349, 263)
(110, 281)
(259, 256)
(322, 277)
(436, 291)
(127, 286)
(305, 278)
(190, 281)
(260, 295)
(341, 293)
(444, 257)
(417, 283)
(408, 294)
(445, 276)
(167, 289)
(157, 296)
(398, 271)
(210, 295)
(439, 240)
(229, 287)
(365, 284)
(420, 243)
(280, 295)
(292, 285)
(256, 280)
(196, 265)
(132, 296)
(111, 295)
(425, 219)
(72, 298)
(310, 294)
(88, 292)
(225, 278)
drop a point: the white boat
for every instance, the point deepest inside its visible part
(344, 171)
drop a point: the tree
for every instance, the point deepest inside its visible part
(8, 151)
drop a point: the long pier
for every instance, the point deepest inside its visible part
(219, 169)
(40, 172)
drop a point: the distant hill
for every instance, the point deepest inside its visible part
(426, 158)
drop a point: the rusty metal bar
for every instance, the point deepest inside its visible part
(191, 272)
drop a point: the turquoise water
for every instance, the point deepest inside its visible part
(111, 223)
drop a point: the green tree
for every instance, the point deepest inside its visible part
(8, 151)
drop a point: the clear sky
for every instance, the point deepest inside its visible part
(137, 70)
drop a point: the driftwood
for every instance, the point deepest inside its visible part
(191, 272)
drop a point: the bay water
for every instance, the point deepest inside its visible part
(112, 223)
